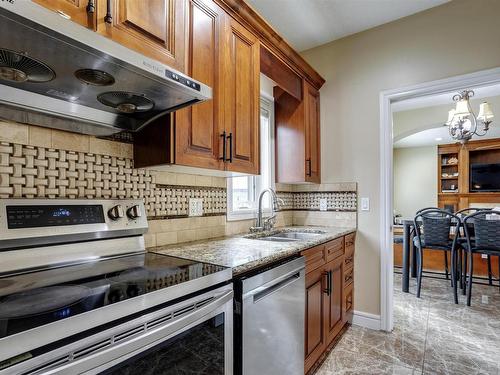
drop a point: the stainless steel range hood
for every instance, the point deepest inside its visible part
(58, 74)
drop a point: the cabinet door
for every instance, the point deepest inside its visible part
(80, 11)
(199, 127)
(315, 334)
(154, 28)
(312, 130)
(241, 103)
(334, 299)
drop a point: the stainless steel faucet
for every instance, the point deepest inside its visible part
(268, 223)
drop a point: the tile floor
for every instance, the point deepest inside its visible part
(431, 335)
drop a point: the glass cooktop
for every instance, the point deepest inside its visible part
(37, 298)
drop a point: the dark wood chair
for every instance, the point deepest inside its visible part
(486, 240)
(432, 231)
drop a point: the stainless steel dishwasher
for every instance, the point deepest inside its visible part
(269, 320)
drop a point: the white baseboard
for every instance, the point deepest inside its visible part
(366, 320)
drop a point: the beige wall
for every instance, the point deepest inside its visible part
(415, 179)
(423, 47)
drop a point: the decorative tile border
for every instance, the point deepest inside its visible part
(40, 172)
(345, 201)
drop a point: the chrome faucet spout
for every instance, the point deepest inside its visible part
(260, 224)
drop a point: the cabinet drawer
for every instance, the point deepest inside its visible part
(334, 249)
(348, 277)
(349, 242)
(349, 260)
(349, 239)
(348, 303)
(315, 257)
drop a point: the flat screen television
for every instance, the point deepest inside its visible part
(485, 177)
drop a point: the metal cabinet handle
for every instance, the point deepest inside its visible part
(328, 275)
(309, 167)
(90, 7)
(330, 282)
(230, 138)
(108, 18)
(223, 135)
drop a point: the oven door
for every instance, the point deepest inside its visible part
(191, 337)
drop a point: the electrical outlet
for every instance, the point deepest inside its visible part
(195, 207)
(322, 204)
(365, 204)
(484, 299)
(484, 256)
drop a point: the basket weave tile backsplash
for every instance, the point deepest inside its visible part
(40, 172)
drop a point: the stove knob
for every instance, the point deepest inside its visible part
(116, 212)
(134, 212)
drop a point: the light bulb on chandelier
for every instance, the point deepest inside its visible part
(462, 122)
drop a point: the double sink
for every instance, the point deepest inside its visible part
(287, 236)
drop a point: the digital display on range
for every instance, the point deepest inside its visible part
(53, 215)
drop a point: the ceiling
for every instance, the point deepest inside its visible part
(309, 23)
(440, 99)
(438, 136)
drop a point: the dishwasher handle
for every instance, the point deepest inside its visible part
(274, 286)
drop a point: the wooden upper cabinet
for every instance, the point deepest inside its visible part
(83, 12)
(312, 134)
(154, 28)
(241, 98)
(298, 142)
(199, 127)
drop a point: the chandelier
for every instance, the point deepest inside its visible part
(463, 123)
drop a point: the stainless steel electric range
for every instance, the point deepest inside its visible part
(79, 294)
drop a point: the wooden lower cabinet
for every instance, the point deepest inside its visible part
(315, 340)
(334, 319)
(329, 295)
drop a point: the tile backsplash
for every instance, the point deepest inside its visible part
(40, 172)
(43, 163)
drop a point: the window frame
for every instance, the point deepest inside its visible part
(266, 104)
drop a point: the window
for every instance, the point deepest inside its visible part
(243, 191)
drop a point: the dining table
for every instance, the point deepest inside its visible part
(409, 254)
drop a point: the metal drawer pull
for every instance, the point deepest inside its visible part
(224, 152)
(108, 18)
(90, 7)
(263, 293)
(230, 138)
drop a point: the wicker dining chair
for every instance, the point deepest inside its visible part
(486, 224)
(432, 231)
(446, 268)
(463, 262)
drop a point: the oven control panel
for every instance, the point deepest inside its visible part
(37, 216)
(36, 222)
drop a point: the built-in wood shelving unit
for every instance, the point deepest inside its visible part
(453, 169)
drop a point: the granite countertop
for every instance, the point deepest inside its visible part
(244, 254)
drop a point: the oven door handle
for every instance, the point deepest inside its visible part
(99, 358)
